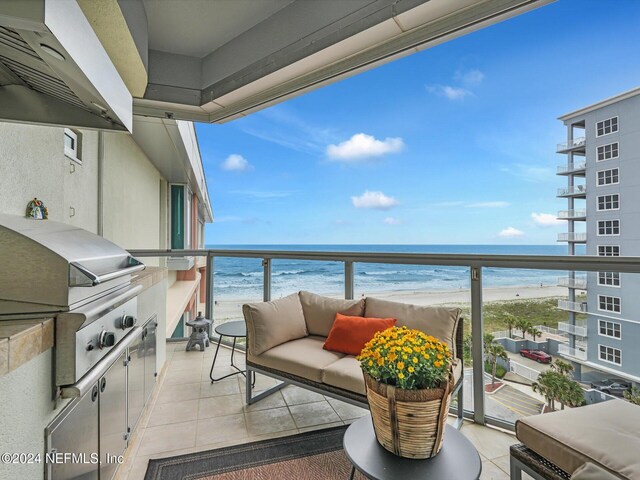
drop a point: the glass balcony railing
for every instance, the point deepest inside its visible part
(579, 237)
(580, 307)
(488, 288)
(572, 168)
(575, 143)
(580, 283)
(573, 191)
(572, 214)
(579, 330)
(578, 353)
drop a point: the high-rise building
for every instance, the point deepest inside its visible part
(603, 218)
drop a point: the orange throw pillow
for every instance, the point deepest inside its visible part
(349, 334)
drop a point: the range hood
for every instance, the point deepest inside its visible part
(55, 71)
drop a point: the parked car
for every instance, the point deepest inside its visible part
(612, 386)
(537, 355)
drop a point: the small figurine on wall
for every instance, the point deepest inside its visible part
(37, 210)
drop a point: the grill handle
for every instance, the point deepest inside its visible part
(93, 279)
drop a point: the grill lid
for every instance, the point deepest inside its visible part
(50, 266)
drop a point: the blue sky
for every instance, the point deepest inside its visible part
(455, 144)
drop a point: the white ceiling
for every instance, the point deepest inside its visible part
(198, 27)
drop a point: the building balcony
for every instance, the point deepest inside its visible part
(578, 307)
(579, 353)
(575, 168)
(575, 237)
(579, 283)
(576, 144)
(576, 191)
(572, 214)
(579, 330)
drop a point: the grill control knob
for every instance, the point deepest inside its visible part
(127, 321)
(107, 339)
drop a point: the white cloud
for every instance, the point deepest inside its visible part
(452, 93)
(377, 200)
(546, 219)
(361, 146)
(487, 205)
(469, 77)
(236, 163)
(392, 221)
(510, 232)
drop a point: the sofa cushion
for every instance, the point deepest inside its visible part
(439, 322)
(590, 471)
(304, 357)
(349, 334)
(320, 312)
(605, 434)
(272, 323)
(347, 374)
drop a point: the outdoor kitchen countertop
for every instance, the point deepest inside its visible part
(150, 276)
(22, 340)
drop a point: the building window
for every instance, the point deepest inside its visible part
(610, 354)
(180, 216)
(608, 177)
(609, 250)
(605, 127)
(608, 227)
(72, 145)
(609, 304)
(609, 202)
(609, 329)
(607, 152)
(609, 279)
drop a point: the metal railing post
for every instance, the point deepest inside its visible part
(208, 308)
(348, 280)
(266, 286)
(477, 347)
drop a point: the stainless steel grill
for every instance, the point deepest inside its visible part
(51, 268)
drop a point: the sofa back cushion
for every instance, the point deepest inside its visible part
(320, 312)
(349, 334)
(272, 323)
(440, 322)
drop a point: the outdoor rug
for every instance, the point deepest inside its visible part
(316, 455)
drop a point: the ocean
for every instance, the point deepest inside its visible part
(242, 277)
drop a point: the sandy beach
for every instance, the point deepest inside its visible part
(231, 309)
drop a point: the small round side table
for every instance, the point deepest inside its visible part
(457, 459)
(235, 330)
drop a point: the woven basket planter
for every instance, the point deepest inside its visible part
(408, 423)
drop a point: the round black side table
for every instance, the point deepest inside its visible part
(235, 330)
(457, 459)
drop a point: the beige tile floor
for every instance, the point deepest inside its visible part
(188, 414)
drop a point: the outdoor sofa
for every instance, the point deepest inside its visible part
(285, 339)
(594, 442)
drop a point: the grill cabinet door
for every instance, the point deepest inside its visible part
(76, 432)
(150, 357)
(135, 382)
(113, 416)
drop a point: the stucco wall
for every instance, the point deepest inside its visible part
(132, 185)
(33, 164)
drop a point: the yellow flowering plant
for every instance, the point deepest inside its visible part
(406, 358)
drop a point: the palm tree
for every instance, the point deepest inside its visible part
(511, 322)
(569, 393)
(534, 332)
(547, 386)
(487, 340)
(562, 367)
(522, 325)
(494, 352)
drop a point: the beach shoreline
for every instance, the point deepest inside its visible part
(226, 309)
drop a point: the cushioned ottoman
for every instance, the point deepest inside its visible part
(606, 434)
